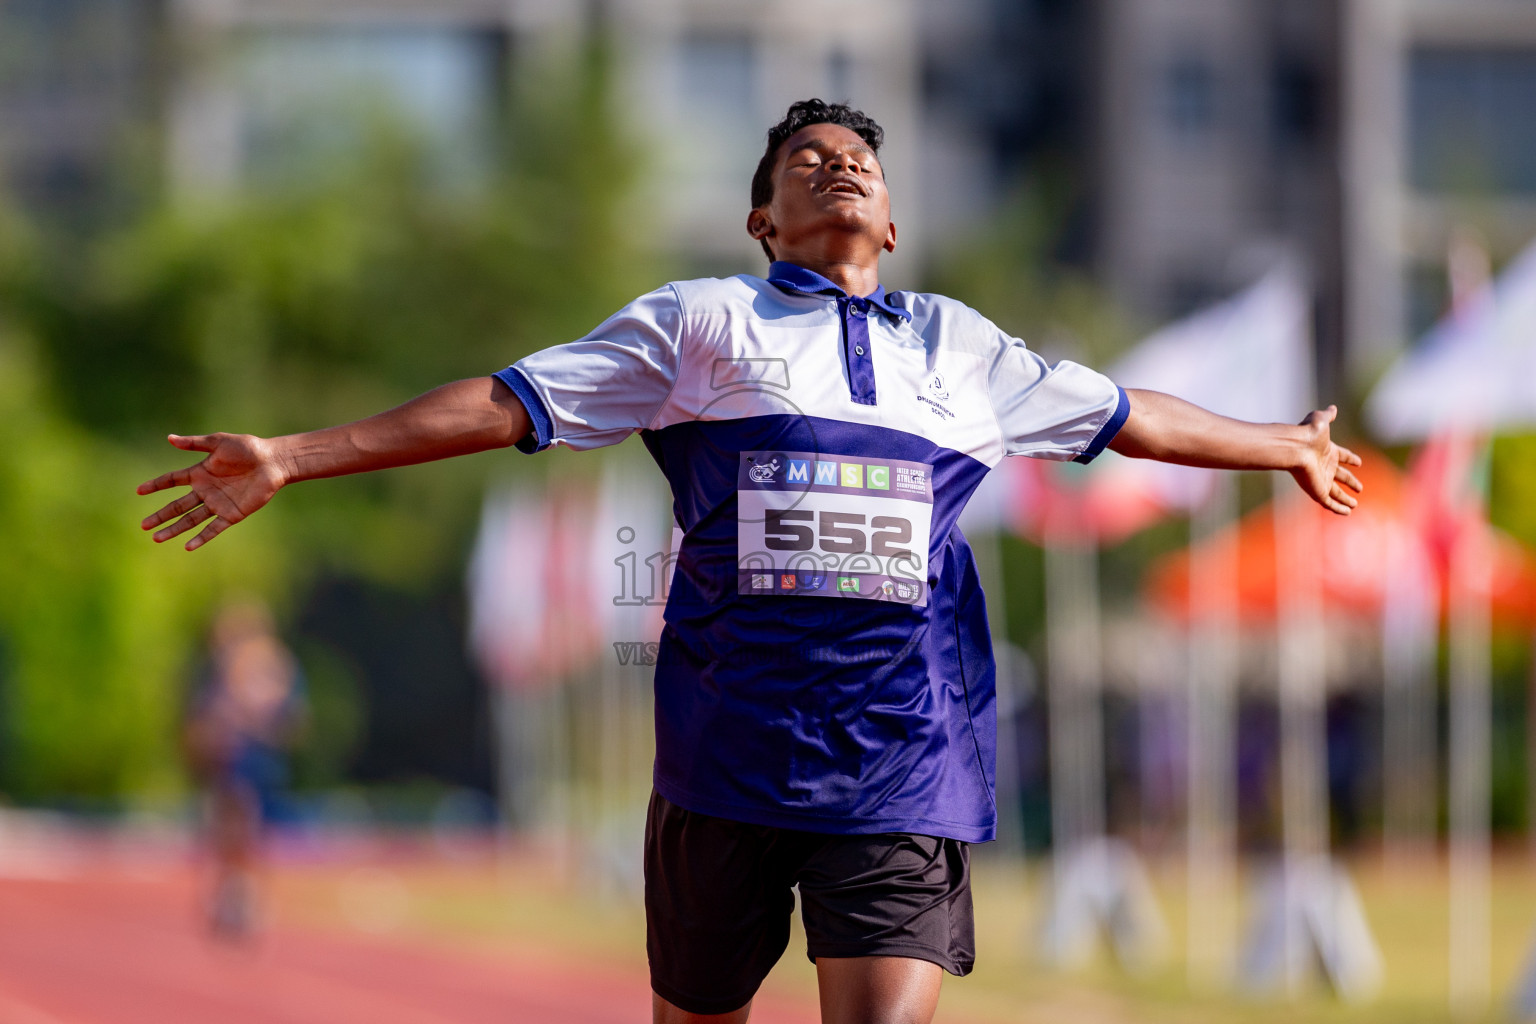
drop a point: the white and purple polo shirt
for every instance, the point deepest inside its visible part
(825, 663)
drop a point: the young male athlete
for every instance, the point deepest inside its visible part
(824, 687)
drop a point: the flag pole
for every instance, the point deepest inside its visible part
(1211, 863)
(1471, 633)
(1410, 628)
(1077, 741)
(1469, 788)
(1099, 885)
(1530, 749)
(988, 549)
(1303, 726)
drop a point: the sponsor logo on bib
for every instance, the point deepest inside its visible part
(912, 480)
(763, 473)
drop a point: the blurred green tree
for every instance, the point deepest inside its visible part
(273, 311)
(1512, 486)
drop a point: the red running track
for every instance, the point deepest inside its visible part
(103, 948)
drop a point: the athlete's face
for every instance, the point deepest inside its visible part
(828, 187)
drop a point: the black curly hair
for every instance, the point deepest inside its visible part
(800, 115)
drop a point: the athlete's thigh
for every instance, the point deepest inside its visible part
(878, 989)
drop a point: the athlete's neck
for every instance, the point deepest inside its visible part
(851, 275)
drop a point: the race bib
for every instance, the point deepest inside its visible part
(833, 526)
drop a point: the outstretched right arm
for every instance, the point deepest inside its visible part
(241, 472)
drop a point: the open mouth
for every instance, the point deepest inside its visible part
(844, 186)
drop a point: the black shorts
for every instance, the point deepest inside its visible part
(718, 902)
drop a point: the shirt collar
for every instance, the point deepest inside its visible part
(795, 278)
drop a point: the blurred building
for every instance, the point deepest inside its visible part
(1009, 95)
(698, 81)
(1188, 141)
(1355, 134)
(1217, 151)
(78, 82)
(1439, 102)
(264, 92)
(1205, 138)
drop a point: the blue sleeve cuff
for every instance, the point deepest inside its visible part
(1108, 431)
(543, 433)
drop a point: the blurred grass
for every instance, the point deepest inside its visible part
(529, 904)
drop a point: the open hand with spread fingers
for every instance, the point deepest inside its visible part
(240, 474)
(1324, 470)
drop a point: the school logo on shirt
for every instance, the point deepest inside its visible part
(936, 392)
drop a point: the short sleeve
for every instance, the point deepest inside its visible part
(1060, 412)
(598, 390)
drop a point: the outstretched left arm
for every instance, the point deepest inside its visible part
(1172, 430)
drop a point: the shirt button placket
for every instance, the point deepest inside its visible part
(861, 368)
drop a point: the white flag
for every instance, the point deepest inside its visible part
(1249, 357)
(1474, 372)
(630, 552)
(507, 610)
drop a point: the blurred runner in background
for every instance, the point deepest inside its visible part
(243, 713)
